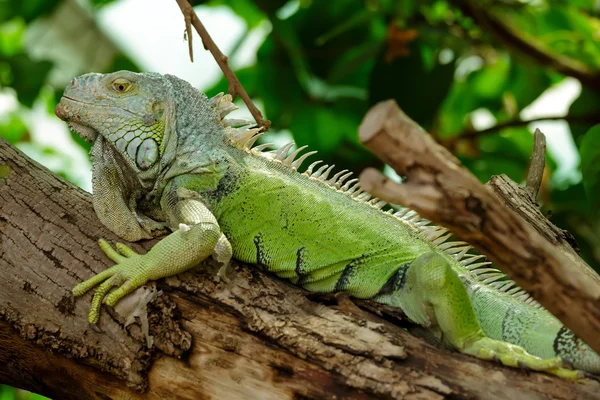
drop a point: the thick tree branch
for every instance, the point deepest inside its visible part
(252, 338)
(443, 191)
(235, 87)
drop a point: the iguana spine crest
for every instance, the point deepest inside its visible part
(244, 136)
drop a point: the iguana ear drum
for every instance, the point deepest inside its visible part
(147, 154)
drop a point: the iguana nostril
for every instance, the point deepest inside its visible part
(60, 111)
(73, 84)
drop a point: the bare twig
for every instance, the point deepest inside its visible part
(235, 87)
(445, 192)
(574, 119)
(538, 164)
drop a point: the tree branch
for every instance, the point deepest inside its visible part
(514, 40)
(537, 165)
(235, 87)
(443, 191)
(254, 337)
(573, 119)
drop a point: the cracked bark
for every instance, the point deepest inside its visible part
(254, 337)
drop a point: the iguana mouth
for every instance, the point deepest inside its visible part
(86, 132)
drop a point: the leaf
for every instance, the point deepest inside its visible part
(418, 91)
(588, 103)
(590, 164)
(11, 33)
(12, 128)
(28, 76)
(245, 9)
(28, 10)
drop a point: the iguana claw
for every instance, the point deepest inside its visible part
(129, 274)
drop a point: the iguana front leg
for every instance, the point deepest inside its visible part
(195, 240)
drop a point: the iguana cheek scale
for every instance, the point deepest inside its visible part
(164, 158)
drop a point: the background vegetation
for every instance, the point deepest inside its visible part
(467, 71)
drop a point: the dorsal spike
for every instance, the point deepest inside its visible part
(288, 161)
(447, 246)
(283, 150)
(310, 168)
(471, 258)
(326, 173)
(334, 178)
(351, 182)
(261, 147)
(225, 106)
(226, 98)
(250, 142)
(296, 164)
(462, 254)
(489, 278)
(514, 290)
(363, 197)
(235, 122)
(477, 265)
(240, 137)
(410, 214)
(342, 179)
(354, 188)
(215, 99)
(441, 239)
(380, 204)
(358, 192)
(320, 171)
(402, 212)
(485, 272)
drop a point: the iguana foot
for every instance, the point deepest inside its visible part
(515, 356)
(130, 272)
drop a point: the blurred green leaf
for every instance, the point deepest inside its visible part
(11, 33)
(590, 164)
(28, 76)
(12, 128)
(245, 9)
(28, 10)
(101, 3)
(588, 103)
(418, 91)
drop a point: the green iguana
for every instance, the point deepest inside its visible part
(164, 157)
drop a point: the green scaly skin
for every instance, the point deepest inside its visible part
(165, 159)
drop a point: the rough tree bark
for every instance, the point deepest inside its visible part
(253, 337)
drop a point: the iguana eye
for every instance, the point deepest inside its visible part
(121, 85)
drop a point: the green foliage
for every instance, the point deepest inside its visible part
(28, 10)
(590, 164)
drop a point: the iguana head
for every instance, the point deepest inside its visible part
(125, 108)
